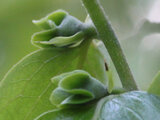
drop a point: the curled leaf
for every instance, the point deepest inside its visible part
(60, 30)
(51, 20)
(76, 87)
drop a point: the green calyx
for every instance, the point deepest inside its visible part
(76, 87)
(62, 30)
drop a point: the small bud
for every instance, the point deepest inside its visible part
(61, 30)
(76, 87)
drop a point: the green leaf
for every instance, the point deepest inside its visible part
(134, 105)
(76, 87)
(85, 112)
(25, 90)
(155, 85)
(2, 59)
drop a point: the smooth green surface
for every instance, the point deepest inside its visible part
(15, 19)
(110, 81)
(134, 105)
(29, 28)
(76, 87)
(154, 88)
(84, 112)
(2, 59)
(111, 72)
(25, 90)
(107, 35)
(16, 33)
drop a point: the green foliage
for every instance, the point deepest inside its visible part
(128, 106)
(67, 78)
(85, 112)
(27, 87)
(2, 58)
(154, 88)
(15, 19)
(106, 34)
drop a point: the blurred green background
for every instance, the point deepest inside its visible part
(128, 17)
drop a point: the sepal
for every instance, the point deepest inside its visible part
(62, 30)
(76, 87)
